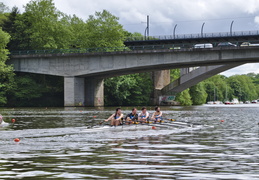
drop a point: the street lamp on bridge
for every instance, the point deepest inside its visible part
(231, 26)
(174, 30)
(202, 29)
(146, 33)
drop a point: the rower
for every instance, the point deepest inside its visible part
(143, 117)
(157, 115)
(116, 118)
(132, 117)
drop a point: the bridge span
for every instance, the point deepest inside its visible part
(84, 72)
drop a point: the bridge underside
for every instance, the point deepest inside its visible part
(80, 91)
(189, 79)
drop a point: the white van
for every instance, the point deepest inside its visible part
(244, 44)
(206, 45)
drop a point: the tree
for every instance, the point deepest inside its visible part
(45, 25)
(243, 87)
(10, 27)
(36, 90)
(133, 89)
(218, 89)
(198, 94)
(105, 30)
(184, 98)
(135, 36)
(174, 74)
(3, 10)
(6, 71)
(81, 37)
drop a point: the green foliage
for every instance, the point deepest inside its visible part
(217, 87)
(46, 28)
(184, 98)
(3, 15)
(198, 94)
(3, 8)
(133, 89)
(81, 36)
(174, 74)
(6, 71)
(10, 27)
(243, 87)
(135, 36)
(105, 30)
(36, 90)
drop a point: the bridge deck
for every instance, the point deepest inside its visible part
(241, 36)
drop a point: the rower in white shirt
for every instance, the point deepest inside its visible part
(143, 117)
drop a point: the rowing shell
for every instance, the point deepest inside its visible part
(172, 125)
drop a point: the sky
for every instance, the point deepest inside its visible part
(189, 15)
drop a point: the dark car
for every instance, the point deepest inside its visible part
(226, 44)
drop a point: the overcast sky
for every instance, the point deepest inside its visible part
(189, 15)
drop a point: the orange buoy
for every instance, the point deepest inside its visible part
(13, 120)
(153, 127)
(16, 140)
(94, 116)
(221, 120)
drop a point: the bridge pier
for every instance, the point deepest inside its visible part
(83, 91)
(160, 79)
(94, 89)
(74, 91)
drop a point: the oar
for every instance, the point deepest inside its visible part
(173, 121)
(102, 122)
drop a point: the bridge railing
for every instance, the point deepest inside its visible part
(102, 50)
(173, 47)
(193, 36)
(66, 51)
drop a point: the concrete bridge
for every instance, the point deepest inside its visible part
(84, 72)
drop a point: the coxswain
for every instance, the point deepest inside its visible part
(157, 115)
(116, 118)
(132, 117)
(143, 116)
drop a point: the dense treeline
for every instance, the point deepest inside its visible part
(43, 26)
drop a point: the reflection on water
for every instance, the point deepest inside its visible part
(58, 144)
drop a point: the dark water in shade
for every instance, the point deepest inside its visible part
(56, 144)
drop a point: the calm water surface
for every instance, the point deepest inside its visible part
(56, 143)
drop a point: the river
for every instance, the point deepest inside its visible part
(57, 143)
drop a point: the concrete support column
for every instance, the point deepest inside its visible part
(160, 79)
(184, 71)
(94, 90)
(74, 88)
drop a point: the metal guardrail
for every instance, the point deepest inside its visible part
(176, 47)
(92, 50)
(69, 51)
(194, 36)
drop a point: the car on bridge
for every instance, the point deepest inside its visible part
(245, 44)
(226, 44)
(206, 45)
